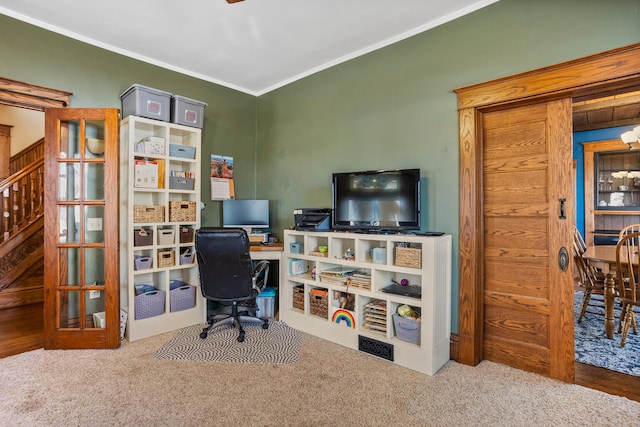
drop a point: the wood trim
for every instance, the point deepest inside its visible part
(609, 71)
(579, 77)
(19, 94)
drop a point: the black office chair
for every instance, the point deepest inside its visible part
(227, 275)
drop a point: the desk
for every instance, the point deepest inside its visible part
(269, 251)
(606, 255)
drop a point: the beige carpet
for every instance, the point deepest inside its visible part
(329, 386)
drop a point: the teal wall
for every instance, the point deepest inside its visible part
(396, 108)
(392, 108)
(97, 78)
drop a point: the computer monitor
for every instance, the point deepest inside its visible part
(247, 214)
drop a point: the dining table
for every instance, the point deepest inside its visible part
(605, 257)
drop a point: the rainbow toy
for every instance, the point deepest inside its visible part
(343, 317)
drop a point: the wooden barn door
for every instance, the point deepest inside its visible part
(527, 217)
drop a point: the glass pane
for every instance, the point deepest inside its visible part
(94, 181)
(94, 224)
(69, 181)
(69, 310)
(69, 139)
(94, 266)
(69, 266)
(94, 139)
(69, 224)
(94, 307)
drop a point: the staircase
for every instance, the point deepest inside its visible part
(22, 252)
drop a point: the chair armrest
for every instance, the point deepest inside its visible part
(260, 275)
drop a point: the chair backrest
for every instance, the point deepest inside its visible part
(586, 271)
(628, 266)
(224, 264)
(631, 228)
(578, 241)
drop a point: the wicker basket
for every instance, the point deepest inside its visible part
(298, 297)
(409, 257)
(166, 259)
(182, 211)
(143, 213)
(319, 302)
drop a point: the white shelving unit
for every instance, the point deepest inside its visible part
(169, 213)
(425, 262)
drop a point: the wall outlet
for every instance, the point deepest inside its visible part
(94, 224)
(94, 294)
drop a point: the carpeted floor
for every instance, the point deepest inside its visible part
(277, 344)
(594, 348)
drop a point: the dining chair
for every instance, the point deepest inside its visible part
(627, 264)
(631, 228)
(591, 281)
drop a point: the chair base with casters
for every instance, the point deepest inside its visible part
(235, 318)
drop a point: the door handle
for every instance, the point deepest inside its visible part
(562, 215)
(563, 258)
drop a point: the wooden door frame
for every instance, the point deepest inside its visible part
(613, 71)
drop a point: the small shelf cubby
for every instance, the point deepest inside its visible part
(340, 297)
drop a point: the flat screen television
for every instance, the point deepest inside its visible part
(247, 214)
(379, 200)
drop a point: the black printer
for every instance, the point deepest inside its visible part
(312, 219)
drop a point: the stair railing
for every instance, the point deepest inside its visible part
(22, 199)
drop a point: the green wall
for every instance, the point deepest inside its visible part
(392, 108)
(97, 78)
(396, 108)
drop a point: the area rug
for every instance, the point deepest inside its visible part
(279, 344)
(594, 348)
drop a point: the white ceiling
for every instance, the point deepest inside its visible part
(253, 46)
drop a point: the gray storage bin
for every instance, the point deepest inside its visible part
(149, 304)
(182, 295)
(407, 329)
(142, 262)
(187, 258)
(188, 112)
(176, 183)
(144, 101)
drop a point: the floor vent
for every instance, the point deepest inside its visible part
(375, 347)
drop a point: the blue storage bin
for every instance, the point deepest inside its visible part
(185, 151)
(266, 302)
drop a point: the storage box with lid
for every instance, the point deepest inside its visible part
(298, 266)
(182, 295)
(147, 102)
(188, 112)
(266, 302)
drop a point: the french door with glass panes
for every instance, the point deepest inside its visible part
(81, 301)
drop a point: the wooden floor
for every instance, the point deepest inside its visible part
(21, 330)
